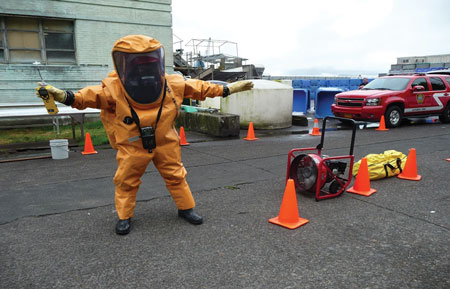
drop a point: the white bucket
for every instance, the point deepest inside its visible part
(59, 148)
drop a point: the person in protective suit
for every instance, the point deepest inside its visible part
(139, 104)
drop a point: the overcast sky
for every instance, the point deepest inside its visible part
(298, 37)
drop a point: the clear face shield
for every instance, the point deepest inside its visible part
(141, 74)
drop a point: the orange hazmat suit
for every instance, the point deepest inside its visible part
(114, 99)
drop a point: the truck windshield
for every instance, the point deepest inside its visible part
(392, 83)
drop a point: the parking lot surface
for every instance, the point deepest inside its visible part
(57, 220)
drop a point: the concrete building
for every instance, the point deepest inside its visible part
(72, 40)
(412, 64)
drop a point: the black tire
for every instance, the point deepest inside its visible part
(393, 116)
(445, 116)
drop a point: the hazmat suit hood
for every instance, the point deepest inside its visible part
(139, 63)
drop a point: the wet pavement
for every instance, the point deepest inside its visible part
(57, 219)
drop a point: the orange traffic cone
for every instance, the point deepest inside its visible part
(362, 182)
(88, 147)
(183, 141)
(289, 216)
(315, 130)
(382, 125)
(250, 133)
(410, 170)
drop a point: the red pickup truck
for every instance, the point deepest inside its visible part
(397, 97)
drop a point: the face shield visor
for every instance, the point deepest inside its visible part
(141, 74)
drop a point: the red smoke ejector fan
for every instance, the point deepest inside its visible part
(320, 174)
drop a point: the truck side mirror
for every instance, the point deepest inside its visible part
(418, 88)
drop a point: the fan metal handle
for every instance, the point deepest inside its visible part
(324, 124)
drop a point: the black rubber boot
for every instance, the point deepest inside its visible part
(123, 227)
(190, 216)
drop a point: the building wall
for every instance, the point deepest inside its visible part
(98, 24)
(443, 58)
(411, 64)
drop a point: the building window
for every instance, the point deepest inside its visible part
(26, 40)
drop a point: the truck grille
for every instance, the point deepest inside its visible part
(352, 102)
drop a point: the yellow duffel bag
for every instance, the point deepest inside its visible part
(387, 164)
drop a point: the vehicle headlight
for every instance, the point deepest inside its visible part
(373, 101)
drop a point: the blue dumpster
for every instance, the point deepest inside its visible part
(301, 101)
(323, 83)
(355, 82)
(297, 83)
(324, 100)
(306, 83)
(343, 82)
(333, 82)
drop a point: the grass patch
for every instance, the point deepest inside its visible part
(41, 134)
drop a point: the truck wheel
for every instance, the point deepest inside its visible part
(445, 116)
(393, 116)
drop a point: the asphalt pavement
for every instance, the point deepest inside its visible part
(57, 219)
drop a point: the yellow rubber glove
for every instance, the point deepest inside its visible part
(238, 86)
(58, 94)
